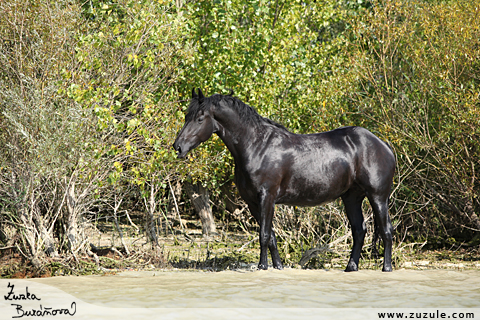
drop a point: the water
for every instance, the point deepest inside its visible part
(284, 294)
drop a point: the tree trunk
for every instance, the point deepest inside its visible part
(73, 230)
(229, 198)
(151, 207)
(201, 201)
(46, 236)
(29, 236)
(173, 198)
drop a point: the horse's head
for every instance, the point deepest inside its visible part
(199, 125)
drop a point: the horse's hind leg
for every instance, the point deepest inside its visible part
(379, 205)
(272, 246)
(353, 206)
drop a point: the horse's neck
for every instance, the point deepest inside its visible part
(236, 133)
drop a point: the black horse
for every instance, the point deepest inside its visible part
(273, 165)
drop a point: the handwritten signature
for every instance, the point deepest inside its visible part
(38, 312)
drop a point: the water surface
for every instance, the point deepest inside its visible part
(289, 288)
(271, 294)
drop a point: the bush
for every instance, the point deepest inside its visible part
(47, 164)
(417, 62)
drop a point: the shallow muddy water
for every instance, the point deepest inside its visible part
(273, 288)
(260, 291)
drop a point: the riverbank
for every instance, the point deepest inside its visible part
(214, 254)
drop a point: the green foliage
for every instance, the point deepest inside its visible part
(130, 60)
(92, 94)
(40, 127)
(419, 89)
(406, 70)
(45, 138)
(87, 106)
(284, 58)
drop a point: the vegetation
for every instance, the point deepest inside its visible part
(92, 94)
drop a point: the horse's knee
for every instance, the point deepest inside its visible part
(388, 236)
(273, 240)
(363, 229)
(386, 232)
(264, 241)
(359, 231)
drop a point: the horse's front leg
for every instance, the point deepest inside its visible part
(267, 236)
(272, 246)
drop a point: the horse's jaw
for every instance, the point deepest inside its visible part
(183, 149)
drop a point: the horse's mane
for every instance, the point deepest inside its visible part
(245, 112)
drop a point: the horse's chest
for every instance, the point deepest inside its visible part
(246, 186)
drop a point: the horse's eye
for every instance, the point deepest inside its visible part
(200, 119)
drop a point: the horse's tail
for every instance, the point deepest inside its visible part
(374, 253)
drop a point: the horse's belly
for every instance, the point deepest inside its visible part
(304, 202)
(315, 188)
(307, 198)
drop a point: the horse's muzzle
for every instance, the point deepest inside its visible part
(178, 148)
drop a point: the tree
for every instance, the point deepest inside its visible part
(48, 168)
(417, 63)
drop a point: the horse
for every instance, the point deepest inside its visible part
(276, 166)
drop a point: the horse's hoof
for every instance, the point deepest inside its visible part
(278, 267)
(352, 266)
(387, 269)
(261, 266)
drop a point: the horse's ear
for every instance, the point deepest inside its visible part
(201, 97)
(194, 95)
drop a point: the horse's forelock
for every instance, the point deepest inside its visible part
(195, 106)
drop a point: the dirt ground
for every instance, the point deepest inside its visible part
(214, 255)
(224, 251)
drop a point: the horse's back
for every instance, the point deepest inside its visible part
(374, 159)
(325, 165)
